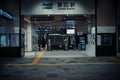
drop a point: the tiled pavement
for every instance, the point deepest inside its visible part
(62, 53)
(28, 58)
(69, 72)
(52, 68)
(60, 56)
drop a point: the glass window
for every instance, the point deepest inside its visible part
(72, 4)
(59, 4)
(4, 40)
(106, 40)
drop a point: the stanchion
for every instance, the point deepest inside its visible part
(66, 46)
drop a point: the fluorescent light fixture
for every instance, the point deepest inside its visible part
(26, 20)
(5, 14)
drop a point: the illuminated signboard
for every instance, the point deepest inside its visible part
(5, 14)
(70, 31)
(44, 31)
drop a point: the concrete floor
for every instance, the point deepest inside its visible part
(66, 66)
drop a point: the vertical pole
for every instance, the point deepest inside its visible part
(95, 27)
(20, 28)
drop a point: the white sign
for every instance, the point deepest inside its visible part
(66, 5)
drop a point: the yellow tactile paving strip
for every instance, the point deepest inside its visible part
(37, 59)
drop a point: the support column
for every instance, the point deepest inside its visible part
(29, 37)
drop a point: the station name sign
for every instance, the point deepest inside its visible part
(47, 5)
(66, 5)
(61, 5)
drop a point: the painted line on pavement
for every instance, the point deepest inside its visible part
(37, 59)
(114, 58)
(60, 64)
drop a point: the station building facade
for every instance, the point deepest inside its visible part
(96, 22)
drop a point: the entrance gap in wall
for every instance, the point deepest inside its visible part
(60, 35)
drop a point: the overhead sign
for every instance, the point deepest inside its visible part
(5, 14)
(65, 18)
(42, 18)
(44, 31)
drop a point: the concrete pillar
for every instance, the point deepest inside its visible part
(29, 37)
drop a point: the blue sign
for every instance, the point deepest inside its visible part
(47, 5)
(5, 14)
(44, 31)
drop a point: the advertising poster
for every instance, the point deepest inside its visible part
(14, 40)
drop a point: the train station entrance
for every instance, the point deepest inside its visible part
(61, 32)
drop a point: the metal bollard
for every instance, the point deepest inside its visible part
(66, 46)
(49, 45)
